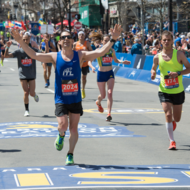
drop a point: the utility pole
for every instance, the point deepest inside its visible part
(170, 15)
(44, 11)
(70, 15)
(142, 24)
(107, 20)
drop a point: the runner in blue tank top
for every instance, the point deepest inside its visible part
(47, 46)
(68, 64)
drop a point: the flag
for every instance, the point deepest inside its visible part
(18, 25)
(9, 25)
(105, 4)
(23, 26)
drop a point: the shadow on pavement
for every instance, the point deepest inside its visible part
(127, 124)
(11, 151)
(99, 167)
(44, 116)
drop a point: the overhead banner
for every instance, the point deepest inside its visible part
(47, 29)
(35, 28)
(105, 4)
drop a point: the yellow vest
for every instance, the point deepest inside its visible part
(167, 85)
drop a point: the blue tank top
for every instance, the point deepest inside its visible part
(67, 80)
(43, 46)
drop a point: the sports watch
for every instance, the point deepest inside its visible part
(112, 40)
(179, 73)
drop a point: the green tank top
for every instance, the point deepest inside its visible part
(106, 60)
(167, 85)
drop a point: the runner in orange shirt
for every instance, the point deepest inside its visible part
(83, 45)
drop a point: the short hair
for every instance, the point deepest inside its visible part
(46, 34)
(66, 31)
(167, 33)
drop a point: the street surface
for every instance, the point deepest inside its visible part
(131, 151)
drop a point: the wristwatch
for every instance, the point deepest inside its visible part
(112, 40)
(179, 73)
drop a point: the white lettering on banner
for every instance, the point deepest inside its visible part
(9, 170)
(139, 64)
(32, 169)
(59, 169)
(133, 73)
(68, 72)
(188, 88)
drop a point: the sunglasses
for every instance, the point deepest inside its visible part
(64, 37)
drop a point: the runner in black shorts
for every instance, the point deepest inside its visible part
(67, 64)
(27, 71)
(2, 47)
(171, 90)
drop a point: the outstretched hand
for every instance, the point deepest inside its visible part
(126, 62)
(116, 32)
(16, 35)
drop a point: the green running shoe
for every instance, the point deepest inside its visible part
(69, 160)
(59, 142)
(1, 63)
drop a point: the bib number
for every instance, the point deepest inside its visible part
(171, 83)
(70, 87)
(107, 59)
(26, 62)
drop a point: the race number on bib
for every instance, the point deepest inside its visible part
(26, 62)
(171, 83)
(107, 59)
(70, 87)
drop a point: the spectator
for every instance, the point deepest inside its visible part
(178, 39)
(136, 48)
(118, 46)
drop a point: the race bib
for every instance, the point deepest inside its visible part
(2, 48)
(107, 59)
(26, 62)
(171, 83)
(70, 87)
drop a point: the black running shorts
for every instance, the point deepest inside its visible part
(85, 70)
(175, 99)
(64, 109)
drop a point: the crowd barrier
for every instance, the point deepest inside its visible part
(139, 69)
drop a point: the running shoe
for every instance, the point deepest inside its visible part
(1, 63)
(100, 108)
(59, 142)
(174, 125)
(26, 113)
(48, 83)
(109, 118)
(83, 94)
(172, 146)
(36, 98)
(69, 160)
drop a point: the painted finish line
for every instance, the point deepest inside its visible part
(127, 111)
(49, 129)
(81, 176)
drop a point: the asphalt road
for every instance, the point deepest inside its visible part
(137, 115)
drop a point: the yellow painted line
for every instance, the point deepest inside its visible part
(36, 179)
(30, 126)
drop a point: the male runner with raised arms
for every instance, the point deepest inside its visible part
(68, 64)
(83, 45)
(27, 70)
(171, 90)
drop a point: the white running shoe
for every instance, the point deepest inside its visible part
(26, 113)
(36, 98)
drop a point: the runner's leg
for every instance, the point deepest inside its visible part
(49, 72)
(84, 81)
(25, 88)
(177, 111)
(102, 89)
(45, 72)
(110, 85)
(62, 124)
(32, 86)
(73, 127)
(167, 107)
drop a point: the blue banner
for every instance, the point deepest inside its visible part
(35, 28)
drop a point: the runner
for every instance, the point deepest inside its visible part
(2, 47)
(27, 71)
(84, 46)
(171, 90)
(46, 46)
(106, 75)
(67, 64)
